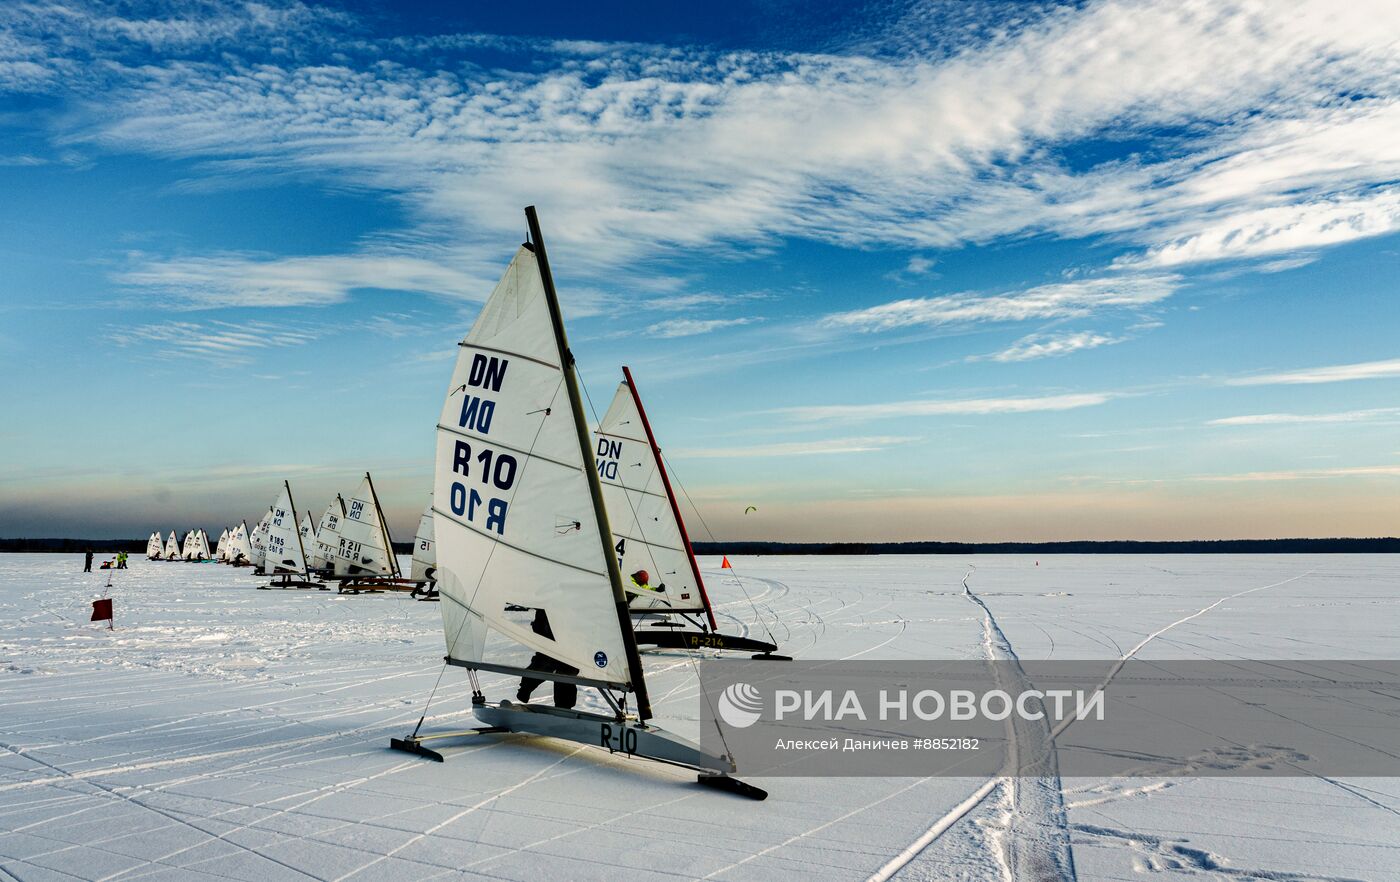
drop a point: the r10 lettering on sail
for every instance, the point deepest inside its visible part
(493, 470)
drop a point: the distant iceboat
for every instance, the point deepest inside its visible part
(328, 535)
(424, 558)
(258, 540)
(364, 560)
(284, 553)
(659, 571)
(154, 549)
(240, 549)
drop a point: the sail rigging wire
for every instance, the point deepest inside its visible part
(740, 582)
(486, 566)
(691, 653)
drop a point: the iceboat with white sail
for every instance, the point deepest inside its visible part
(424, 566)
(664, 587)
(240, 549)
(523, 544)
(258, 540)
(364, 559)
(328, 535)
(285, 553)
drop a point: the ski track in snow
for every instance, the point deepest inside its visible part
(1034, 838)
(227, 733)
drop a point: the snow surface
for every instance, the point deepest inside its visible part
(226, 733)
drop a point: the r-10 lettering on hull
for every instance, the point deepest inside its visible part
(617, 738)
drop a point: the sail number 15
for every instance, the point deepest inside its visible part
(492, 470)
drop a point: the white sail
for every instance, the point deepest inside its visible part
(240, 548)
(199, 548)
(645, 525)
(364, 548)
(154, 549)
(308, 535)
(172, 547)
(258, 541)
(283, 548)
(221, 550)
(424, 560)
(514, 518)
(187, 546)
(328, 534)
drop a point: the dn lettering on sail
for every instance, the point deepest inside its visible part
(608, 453)
(487, 372)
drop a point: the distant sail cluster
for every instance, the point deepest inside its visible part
(351, 542)
(195, 546)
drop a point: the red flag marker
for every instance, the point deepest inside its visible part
(102, 610)
(725, 565)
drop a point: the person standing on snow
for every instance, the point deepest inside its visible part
(87, 562)
(565, 694)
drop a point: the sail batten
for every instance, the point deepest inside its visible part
(567, 465)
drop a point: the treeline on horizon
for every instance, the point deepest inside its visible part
(1114, 546)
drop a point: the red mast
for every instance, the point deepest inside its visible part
(670, 494)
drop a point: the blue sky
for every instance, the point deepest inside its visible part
(885, 271)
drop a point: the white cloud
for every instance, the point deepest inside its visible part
(692, 327)
(1051, 345)
(919, 265)
(1281, 419)
(1058, 300)
(249, 280)
(795, 448)
(1366, 370)
(946, 407)
(1284, 229)
(218, 342)
(641, 149)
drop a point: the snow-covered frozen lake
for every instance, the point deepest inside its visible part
(226, 733)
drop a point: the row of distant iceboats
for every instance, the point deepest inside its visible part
(350, 546)
(541, 533)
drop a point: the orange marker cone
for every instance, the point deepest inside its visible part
(725, 565)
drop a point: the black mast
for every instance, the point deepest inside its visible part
(595, 488)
